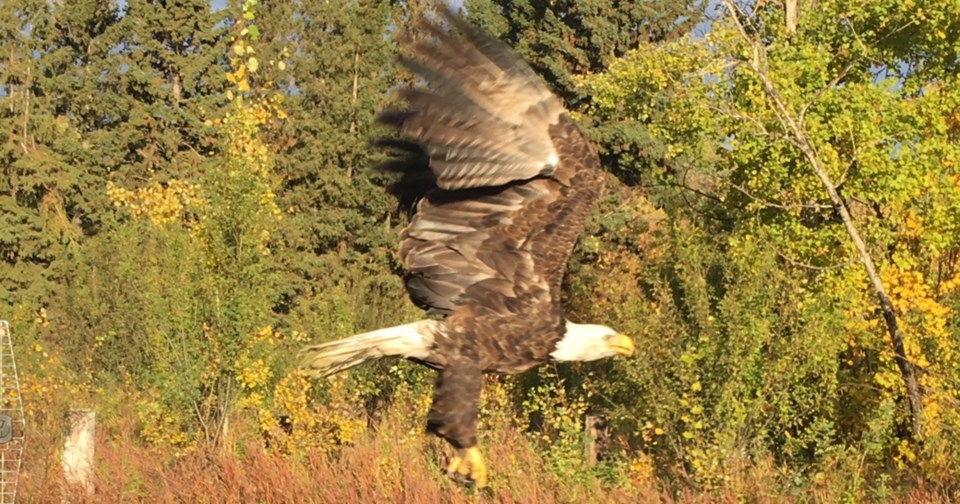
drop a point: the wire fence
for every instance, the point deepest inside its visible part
(12, 424)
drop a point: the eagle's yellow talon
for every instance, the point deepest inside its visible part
(476, 467)
(469, 464)
(454, 464)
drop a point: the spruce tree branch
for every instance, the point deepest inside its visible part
(800, 140)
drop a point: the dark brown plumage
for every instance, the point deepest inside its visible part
(503, 181)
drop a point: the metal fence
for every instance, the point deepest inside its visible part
(12, 424)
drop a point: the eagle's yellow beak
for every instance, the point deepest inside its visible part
(623, 345)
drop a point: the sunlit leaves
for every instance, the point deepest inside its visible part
(160, 203)
(889, 145)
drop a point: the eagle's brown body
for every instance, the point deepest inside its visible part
(498, 273)
(503, 181)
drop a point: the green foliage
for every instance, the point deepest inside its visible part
(49, 183)
(95, 93)
(339, 227)
(782, 350)
(175, 297)
(170, 76)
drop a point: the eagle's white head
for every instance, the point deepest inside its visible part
(587, 342)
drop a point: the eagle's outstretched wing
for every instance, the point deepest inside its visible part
(513, 178)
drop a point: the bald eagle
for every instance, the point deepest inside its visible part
(505, 180)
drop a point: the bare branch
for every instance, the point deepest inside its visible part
(772, 204)
(801, 264)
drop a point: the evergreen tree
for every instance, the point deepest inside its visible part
(339, 225)
(107, 94)
(56, 83)
(171, 77)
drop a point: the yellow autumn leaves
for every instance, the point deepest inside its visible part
(927, 342)
(160, 203)
(294, 423)
(184, 201)
(245, 64)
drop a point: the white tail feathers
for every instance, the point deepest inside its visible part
(409, 340)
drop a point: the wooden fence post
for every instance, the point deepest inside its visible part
(595, 434)
(79, 449)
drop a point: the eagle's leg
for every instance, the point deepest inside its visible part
(453, 416)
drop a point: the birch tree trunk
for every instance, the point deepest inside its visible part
(797, 136)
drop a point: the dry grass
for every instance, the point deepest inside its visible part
(390, 465)
(381, 468)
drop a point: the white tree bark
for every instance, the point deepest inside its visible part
(790, 6)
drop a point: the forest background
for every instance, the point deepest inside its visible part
(189, 196)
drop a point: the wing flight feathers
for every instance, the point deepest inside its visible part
(484, 117)
(501, 175)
